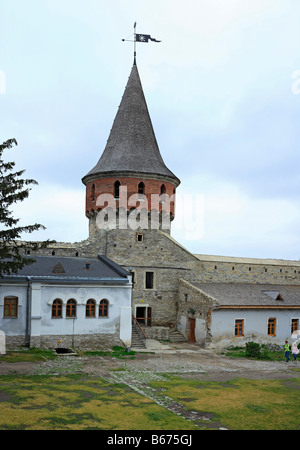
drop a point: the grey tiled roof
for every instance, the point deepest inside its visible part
(57, 267)
(132, 147)
(232, 294)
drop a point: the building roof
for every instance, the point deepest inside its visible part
(244, 260)
(101, 269)
(132, 148)
(252, 295)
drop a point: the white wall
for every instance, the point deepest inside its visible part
(116, 296)
(255, 326)
(43, 295)
(12, 326)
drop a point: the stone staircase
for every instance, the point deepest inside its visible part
(176, 336)
(136, 340)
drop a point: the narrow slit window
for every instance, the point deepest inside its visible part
(93, 193)
(117, 189)
(141, 189)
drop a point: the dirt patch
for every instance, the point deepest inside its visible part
(5, 397)
(15, 368)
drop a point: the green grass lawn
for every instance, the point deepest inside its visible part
(242, 404)
(76, 402)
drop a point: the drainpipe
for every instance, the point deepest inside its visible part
(28, 313)
(106, 235)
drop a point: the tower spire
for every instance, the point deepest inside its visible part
(132, 146)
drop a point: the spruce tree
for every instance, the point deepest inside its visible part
(13, 189)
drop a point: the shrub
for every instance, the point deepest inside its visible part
(265, 353)
(252, 350)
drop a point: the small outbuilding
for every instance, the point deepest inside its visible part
(67, 302)
(227, 314)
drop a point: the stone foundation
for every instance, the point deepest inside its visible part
(13, 342)
(78, 342)
(81, 342)
(159, 333)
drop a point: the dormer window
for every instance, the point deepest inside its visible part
(275, 295)
(117, 189)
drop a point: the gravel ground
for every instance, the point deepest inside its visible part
(186, 360)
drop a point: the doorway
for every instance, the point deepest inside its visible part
(144, 315)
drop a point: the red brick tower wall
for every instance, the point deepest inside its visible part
(105, 185)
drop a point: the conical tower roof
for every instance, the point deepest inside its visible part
(132, 149)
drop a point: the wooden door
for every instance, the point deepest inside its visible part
(149, 316)
(192, 337)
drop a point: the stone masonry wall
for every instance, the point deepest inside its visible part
(123, 248)
(194, 304)
(156, 251)
(79, 342)
(237, 270)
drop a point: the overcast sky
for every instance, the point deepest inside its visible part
(223, 91)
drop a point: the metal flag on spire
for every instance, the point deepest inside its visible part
(144, 38)
(140, 38)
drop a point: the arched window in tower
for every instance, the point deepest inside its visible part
(117, 189)
(141, 189)
(162, 193)
(162, 189)
(93, 193)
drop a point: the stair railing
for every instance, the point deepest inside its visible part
(138, 328)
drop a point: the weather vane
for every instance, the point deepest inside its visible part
(139, 38)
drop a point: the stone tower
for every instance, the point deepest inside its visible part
(130, 184)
